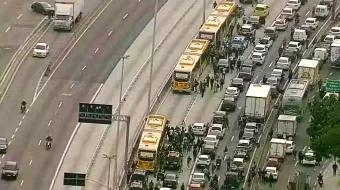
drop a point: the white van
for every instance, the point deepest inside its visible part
(294, 4)
(321, 11)
(300, 35)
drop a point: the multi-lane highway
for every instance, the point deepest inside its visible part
(54, 110)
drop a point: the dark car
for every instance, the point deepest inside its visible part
(173, 160)
(10, 170)
(3, 145)
(42, 7)
(290, 54)
(237, 82)
(170, 180)
(271, 32)
(246, 73)
(248, 63)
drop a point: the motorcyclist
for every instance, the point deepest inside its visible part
(49, 138)
(23, 105)
(218, 161)
(320, 179)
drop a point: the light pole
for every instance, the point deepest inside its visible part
(109, 169)
(204, 7)
(115, 180)
(152, 55)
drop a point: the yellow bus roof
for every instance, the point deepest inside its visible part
(224, 9)
(186, 63)
(155, 123)
(197, 47)
(150, 141)
(213, 24)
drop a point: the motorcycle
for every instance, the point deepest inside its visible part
(297, 20)
(320, 181)
(218, 165)
(48, 145)
(23, 108)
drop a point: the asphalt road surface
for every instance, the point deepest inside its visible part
(17, 22)
(202, 109)
(54, 111)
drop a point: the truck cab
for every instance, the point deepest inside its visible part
(67, 14)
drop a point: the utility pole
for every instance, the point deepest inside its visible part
(115, 178)
(333, 10)
(109, 169)
(152, 56)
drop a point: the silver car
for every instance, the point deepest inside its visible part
(233, 91)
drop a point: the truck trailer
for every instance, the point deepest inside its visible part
(257, 102)
(67, 14)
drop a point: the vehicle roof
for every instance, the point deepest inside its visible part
(271, 27)
(308, 63)
(170, 174)
(322, 6)
(287, 118)
(261, 45)
(293, 42)
(237, 80)
(278, 141)
(261, 5)
(41, 44)
(258, 90)
(239, 38)
(296, 88)
(277, 70)
(310, 18)
(257, 53)
(270, 168)
(250, 124)
(244, 141)
(301, 30)
(12, 163)
(238, 159)
(217, 125)
(199, 124)
(247, 26)
(232, 88)
(284, 58)
(215, 136)
(203, 156)
(199, 173)
(336, 28)
(287, 8)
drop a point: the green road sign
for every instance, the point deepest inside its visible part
(95, 113)
(74, 179)
(333, 85)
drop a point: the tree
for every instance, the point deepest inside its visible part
(324, 129)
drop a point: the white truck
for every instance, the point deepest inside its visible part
(335, 53)
(67, 14)
(277, 148)
(286, 126)
(257, 102)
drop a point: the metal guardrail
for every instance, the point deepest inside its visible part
(19, 56)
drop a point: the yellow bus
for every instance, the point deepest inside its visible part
(190, 65)
(156, 123)
(213, 29)
(149, 146)
(228, 10)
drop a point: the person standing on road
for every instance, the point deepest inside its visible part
(214, 4)
(221, 83)
(270, 179)
(335, 168)
(188, 161)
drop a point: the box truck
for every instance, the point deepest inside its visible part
(67, 14)
(277, 148)
(257, 102)
(286, 126)
(335, 53)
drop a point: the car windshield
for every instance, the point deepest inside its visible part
(328, 39)
(245, 29)
(264, 41)
(216, 128)
(203, 158)
(279, 22)
(40, 47)
(245, 69)
(210, 139)
(197, 127)
(292, 2)
(235, 41)
(248, 62)
(259, 8)
(269, 170)
(287, 11)
(2, 141)
(197, 176)
(231, 91)
(237, 163)
(269, 31)
(276, 72)
(254, 19)
(170, 177)
(335, 30)
(292, 45)
(256, 56)
(271, 81)
(237, 81)
(282, 61)
(259, 48)
(310, 21)
(46, 5)
(10, 167)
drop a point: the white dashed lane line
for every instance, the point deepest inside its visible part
(19, 16)
(71, 86)
(31, 162)
(49, 123)
(20, 122)
(125, 16)
(96, 50)
(8, 29)
(61, 103)
(84, 68)
(110, 33)
(39, 143)
(22, 183)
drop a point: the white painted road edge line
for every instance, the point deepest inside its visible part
(69, 142)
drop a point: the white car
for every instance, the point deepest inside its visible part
(41, 50)
(198, 178)
(313, 22)
(261, 49)
(277, 73)
(335, 31)
(211, 140)
(217, 129)
(272, 170)
(283, 63)
(258, 58)
(203, 161)
(266, 41)
(281, 24)
(290, 147)
(295, 46)
(288, 13)
(237, 164)
(294, 4)
(199, 129)
(233, 91)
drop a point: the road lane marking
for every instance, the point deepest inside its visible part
(30, 162)
(5, 2)
(260, 82)
(125, 16)
(71, 86)
(110, 33)
(27, 111)
(296, 163)
(23, 117)
(3, 156)
(16, 130)
(22, 183)
(39, 143)
(13, 136)
(8, 29)
(55, 113)
(83, 68)
(96, 50)
(49, 123)
(330, 73)
(270, 64)
(307, 13)
(9, 143)
(20, 122)
(65, 94)
(19, 16)
(61, 103)
(232, 138)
